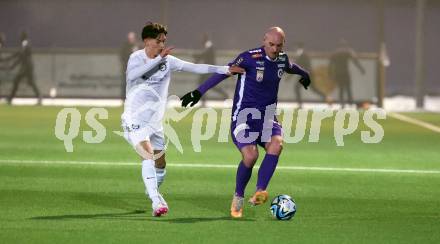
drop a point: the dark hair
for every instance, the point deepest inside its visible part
(152, 30)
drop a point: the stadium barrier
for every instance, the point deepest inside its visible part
(96, 73)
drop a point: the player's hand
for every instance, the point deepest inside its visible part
(305, 81)
(191, 97)
(166, 51)
(234, 69)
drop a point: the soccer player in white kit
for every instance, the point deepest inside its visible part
(148, 77)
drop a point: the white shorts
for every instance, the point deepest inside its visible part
(135, 134)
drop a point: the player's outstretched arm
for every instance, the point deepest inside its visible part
(305, 81)
(296, 69)
(191, 98)
(180, 65)
(235, 67)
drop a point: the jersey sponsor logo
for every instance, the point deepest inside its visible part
(280, 73)
(155, 78)
(281, 65)
(260, 63)
(282, 58)
(260, 75)
(131, 127)
(257, 55)
(255, 51)
(259, 68)
(238, 61)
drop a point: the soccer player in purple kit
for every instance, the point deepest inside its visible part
(253, 114)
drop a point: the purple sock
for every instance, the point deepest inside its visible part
(266, 170)
(243, 175)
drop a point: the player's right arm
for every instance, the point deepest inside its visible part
(193, 97)
(136, 67)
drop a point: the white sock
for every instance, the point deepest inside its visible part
(150, 180)
(160, 175)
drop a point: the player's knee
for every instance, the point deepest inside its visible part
(160, 162)
(144, 150)
(275, 146)
(249, 158)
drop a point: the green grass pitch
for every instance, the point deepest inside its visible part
(47, 196)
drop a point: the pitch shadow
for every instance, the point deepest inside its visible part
(191, 220)
(138, 215)
(132, 215)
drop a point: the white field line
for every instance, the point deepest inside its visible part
(191, 165)
(415, 122)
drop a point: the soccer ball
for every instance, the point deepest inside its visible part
(283, 207)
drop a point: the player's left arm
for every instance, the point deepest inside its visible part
(292, 68)
(181, 65)
(191, 98)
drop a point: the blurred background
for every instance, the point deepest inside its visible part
(72, 56)
(79, 48)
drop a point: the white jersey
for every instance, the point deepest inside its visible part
(147, 85)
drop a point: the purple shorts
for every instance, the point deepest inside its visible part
(254, 132)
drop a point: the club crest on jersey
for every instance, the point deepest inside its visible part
(162, 66)
(260, 74)
(280, 73)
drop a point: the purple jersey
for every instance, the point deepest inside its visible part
(258, 86)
